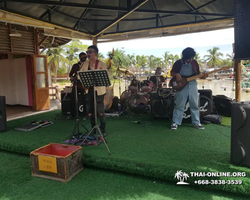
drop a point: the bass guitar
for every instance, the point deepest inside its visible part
(179, 85)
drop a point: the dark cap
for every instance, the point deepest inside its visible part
(188, 53)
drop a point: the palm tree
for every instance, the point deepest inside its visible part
(131, 59)
(159, 62)
(72, 50)
(151, 62)
(177, 57)
(143, 62)
(178, 174)
(185, 176)
(166, 58)
(197, 58)
(181, 176)
(101, 57)
(137, 62)
(214, 57)
(55, 59)
(120, 60)
(173, 58)
(226, 62)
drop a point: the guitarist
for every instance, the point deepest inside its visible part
(186, 67)
(80, 90)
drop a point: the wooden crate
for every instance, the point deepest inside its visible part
(56, 161)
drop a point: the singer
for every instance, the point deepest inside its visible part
(93, 64)
(80, 90)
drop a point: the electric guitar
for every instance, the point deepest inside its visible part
(179, 85)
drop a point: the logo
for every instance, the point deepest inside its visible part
(187, 114)
(181, 176)
(203, 108)
(81, 109)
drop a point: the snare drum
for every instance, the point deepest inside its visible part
(146, 86)
(134, 86)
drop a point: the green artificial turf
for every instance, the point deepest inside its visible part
(226, 121)
(148, 148)
(92, 184)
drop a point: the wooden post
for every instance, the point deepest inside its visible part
(237, 70)
(94, 41)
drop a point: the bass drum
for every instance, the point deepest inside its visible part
(108, 98)
(138, 103)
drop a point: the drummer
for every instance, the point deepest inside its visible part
(134, 86)
(157, 79)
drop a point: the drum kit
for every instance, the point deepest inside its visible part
(136, 96)
(108, 99)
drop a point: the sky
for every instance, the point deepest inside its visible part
(201, 42)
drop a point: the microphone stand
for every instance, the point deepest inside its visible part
(72, 81)
(120, 64)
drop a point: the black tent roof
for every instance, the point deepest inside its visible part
(111, 20)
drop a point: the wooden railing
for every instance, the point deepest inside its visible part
(55, 93)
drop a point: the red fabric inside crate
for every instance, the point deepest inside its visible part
(58, 149)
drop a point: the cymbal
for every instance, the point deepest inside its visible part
(126, 71)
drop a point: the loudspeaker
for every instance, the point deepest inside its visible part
(162, 107)
(240, 135)
(205, 105)
(223, 105)
(241, 29)
(3, 121)
(187, 113)
(67, 104)
(206, 102)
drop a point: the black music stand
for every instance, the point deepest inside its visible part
(95, 78)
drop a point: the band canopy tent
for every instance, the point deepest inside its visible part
(113, 20)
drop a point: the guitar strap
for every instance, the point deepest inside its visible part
(195, 70)
(96, 64)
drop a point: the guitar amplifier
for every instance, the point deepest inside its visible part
(161, 93)
(206, 102)
(205, 105)
(162, 107)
